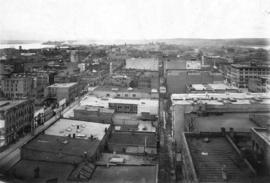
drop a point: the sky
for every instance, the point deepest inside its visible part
(133, 19)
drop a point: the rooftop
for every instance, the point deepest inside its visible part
(221, 98)
(48, 170)
(212, 123)
(263, 133)
(134, 138)
(250, 66)
(64, 127)
(63, 85)
(121, 89)
(128, 159)
(8, 104)
(64, 145)
(124, 174)
(92, 100)
(210, 157)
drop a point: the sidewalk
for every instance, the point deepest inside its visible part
(11, 155)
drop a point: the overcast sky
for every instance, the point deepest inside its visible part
(133, 19)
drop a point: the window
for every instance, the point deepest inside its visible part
(133, 95)
(107, 94)
(126, 95)
(118, 95)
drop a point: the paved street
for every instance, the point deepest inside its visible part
(11, 155)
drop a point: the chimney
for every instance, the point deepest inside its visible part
(223, 130)
(231, 133)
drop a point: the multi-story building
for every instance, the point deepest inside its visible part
(240, 73)
(62, 90)
(17, 86)
(260, 84)
(16, 117)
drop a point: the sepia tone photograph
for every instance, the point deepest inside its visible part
(134, 91)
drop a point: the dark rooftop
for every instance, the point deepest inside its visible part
(209, 158)
(65, 145)
(125, 174)
(133, 138)
(7, 104)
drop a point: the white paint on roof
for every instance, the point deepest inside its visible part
(64, 127)
(63, 85)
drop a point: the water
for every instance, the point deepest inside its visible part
(26, 46)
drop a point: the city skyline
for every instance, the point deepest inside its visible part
(133, 20)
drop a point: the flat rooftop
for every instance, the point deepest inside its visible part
(263, 133)
(92, 100)
(94, 109)
(133, 138)
(121, 89)
(64, 127)
(128, 159)
(24, 170)
(209, 158)
(212, 123)
(64, 145)
(7, 104)
(220, 98)
(62, 85)
(125, 174)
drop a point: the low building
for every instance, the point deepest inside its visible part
(16, 117)
(79, 129)
(60, 91)
(129, 173)
(211, 88)
(260, 138)
(133, 142)
(207, 105)
(118, 92)
(92, 113)
(213, 157)
(122, 105)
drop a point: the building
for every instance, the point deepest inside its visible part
(126, 173)
(211, 88)
(259, 84)
(213, 157)
(128, 93)
(177, 80)
(95, 114)
(260, 138)
(16, 117)
(60, 91)
(59, 156)
(133, 142)
(17, 86)
(212, 104)
(122, 105)
(151, 64)
(79, 129)
(240, 73)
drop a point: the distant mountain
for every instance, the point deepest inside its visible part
(218, 42)
(18, 41)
